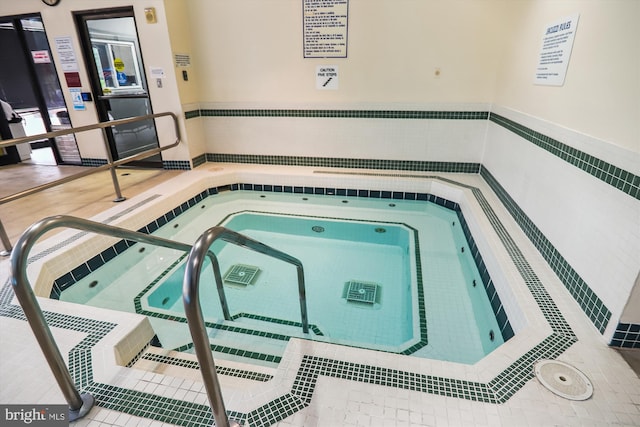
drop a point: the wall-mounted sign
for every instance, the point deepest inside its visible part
(66, 53)
(72, 79)
(76, 98)
(40, 56)
(157, 72)
(325, 28)
(182, 59)
(557, 43)
(327, 77)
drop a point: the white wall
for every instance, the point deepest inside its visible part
(250, 51)
(600, 97)
(592, 224)
(249, 54)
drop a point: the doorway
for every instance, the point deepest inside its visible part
(111, 50)
(32, 89)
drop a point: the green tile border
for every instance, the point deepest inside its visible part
(499, 390)
(341, 114)
(616, 177)
(220, 370)
(336, 162)
(422, 340)
(590, 303)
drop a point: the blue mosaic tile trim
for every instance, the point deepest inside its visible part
(618, 178)
(335, 162)
(350, 114)
(93, 162)
(176, 165)
(627, 335)
(590, 303)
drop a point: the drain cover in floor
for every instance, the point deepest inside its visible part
(563, 379)
(361, 291)
(241, 274)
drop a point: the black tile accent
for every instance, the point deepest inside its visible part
(498, 390)
(618, 178)
(590, 303)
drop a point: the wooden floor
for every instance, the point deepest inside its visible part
(84, 197)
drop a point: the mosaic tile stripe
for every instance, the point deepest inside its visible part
(199, 160)
(268, 335)
(505, 328)
(220, 370)
(176, 165)
(89, 162)
(145, 404)
(618, 178)
(336, 162)
(276, 410)
(191, 114)
(590, 303)
(345, 114)
(627, 335)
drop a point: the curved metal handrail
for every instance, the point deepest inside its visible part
(193, 310)
(111, 164)
(79, 404)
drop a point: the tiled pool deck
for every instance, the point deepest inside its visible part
(323, 384)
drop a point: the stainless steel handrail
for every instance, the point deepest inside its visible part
(111, 165)
(79, 404)
(193, 310)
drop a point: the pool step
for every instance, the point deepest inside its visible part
(250, 339)
(181, 365)
(257, 348)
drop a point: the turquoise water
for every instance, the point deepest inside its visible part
(395, 244)
(336, 253)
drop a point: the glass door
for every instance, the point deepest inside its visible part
(112, 52)
(31, 87)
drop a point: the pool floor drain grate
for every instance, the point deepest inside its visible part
(241, 274)
(563, 379)
(358, 291)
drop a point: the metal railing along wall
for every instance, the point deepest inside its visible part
(111, 164)
(193, 310)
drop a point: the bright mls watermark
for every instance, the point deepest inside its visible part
(34, 415)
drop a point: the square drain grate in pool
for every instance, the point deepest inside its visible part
(241, 274)
(362, 291)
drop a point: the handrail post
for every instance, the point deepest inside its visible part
(221, 295)
(112, 169)
(302, 295)
(193, 310)
(79, 404)
(195, 320)
(6, 242)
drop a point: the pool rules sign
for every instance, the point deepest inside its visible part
(557, 43)
(324, 23)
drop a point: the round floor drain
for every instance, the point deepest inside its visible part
(563, 379)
